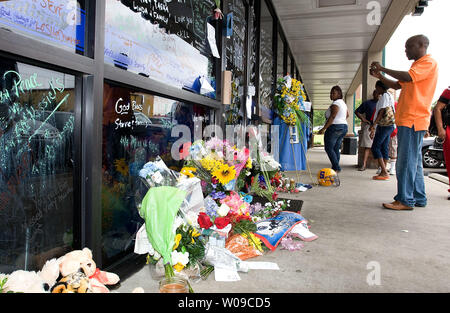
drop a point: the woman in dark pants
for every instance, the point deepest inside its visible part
(336, 127)
(381, 135)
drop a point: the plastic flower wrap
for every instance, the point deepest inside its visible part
(156, 173)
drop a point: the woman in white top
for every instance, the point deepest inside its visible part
(382, 133)
(336, 127)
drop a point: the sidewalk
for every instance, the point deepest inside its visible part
(412, 248)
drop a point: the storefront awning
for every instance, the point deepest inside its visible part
(329, 39)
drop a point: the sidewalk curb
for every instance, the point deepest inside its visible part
(439, 177)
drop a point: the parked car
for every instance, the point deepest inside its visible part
(432, 153)
(317, 128)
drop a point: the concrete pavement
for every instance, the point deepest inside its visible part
(356, 235)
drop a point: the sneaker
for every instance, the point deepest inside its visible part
(301, 230)
(379, 170)
(392, 170)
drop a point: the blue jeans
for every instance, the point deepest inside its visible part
(333, 140)
(380, 144)
(409, 170)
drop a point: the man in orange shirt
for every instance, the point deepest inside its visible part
(412, 118)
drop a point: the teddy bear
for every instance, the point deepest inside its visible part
(31, 281)
(73, 283)
(74, 261)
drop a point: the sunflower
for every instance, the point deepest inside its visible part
(224, 173)
(121, 166)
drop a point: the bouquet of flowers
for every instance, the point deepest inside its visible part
(289, 96)
(270, 209)
(220, 166)
(170, 222)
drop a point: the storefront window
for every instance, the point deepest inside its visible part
(289, 67)
(280, 57)
(57, 22)
(236, 57)
(36, 165)
(165, 40)
(137, 128)
(266, 80)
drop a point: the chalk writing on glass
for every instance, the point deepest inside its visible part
(57, 21)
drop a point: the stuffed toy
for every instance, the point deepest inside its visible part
(73, 283)
(77, 260)
(33, 282)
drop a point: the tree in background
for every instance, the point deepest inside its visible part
(319, 118)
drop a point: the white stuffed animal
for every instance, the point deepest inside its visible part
(33, 282)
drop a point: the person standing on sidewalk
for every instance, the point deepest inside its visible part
(443, 126)
(412, 118)
(393, 144)
(335, 128)
(381, 132)
(365, 113)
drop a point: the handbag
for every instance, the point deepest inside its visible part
(432, 129)
(388, 117)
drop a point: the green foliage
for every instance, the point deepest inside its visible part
(244, 227)
(191, 244)
(2, 284)
(319, 118)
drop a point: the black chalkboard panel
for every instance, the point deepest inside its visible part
(235, 46)
(185, 18)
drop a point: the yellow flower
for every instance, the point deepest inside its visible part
(249, 163)
(253, 241)
(177, 241)
(195, 233)
(188, 171)
(209, 163)
(224, 173)
(178, 267)
(121, 166)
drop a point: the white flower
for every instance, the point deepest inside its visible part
(223, 210)
(192, 218)
(180, 257)
(178, 221)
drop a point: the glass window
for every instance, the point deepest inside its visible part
(280, 57)
(36, 165)
(57, 22)
(236, 58)
(266, 79)
(289, 66)
(136, 129)
(164, 40)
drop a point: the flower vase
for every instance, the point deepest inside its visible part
(173, 285)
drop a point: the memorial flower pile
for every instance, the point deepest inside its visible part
(187, 236)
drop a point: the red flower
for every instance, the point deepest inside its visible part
(214, 180)
(274, 196)
(222, 222)
(243, 217)
(204, 221)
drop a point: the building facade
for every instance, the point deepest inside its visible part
(91, 90)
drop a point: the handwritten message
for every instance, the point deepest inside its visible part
(58, 21)
(36, 173)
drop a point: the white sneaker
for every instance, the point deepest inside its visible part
(379, 170)
(392, 169)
